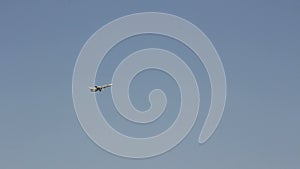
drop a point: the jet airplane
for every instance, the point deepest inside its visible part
(99, 88)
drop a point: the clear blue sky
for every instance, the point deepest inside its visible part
(258, 42)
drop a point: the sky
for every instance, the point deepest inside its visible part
(257, 41)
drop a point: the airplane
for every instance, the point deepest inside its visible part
(99, 88)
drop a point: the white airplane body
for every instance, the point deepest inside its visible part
(99, 88)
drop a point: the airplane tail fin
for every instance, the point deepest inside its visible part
(92, 89)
